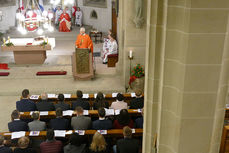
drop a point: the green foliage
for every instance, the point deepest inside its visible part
(138, 71)
(9, 44)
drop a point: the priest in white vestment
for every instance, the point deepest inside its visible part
(79, 17)
(112, 48)
(57, 15)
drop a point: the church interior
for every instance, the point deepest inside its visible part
(163, 64)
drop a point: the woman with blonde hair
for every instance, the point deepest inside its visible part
(98, 144)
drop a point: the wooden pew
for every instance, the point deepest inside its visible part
(112, 133)
(224, 147)
(91, 99)
(52, 114)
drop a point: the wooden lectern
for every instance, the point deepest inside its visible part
(82, 66)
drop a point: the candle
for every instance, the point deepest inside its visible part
(47, 40)
(9, 39)
(131, 54)
(4, 40)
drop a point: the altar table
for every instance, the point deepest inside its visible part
(29, 51)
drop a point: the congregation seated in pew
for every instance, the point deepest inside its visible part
(25, 105)
(61, 104)
(80, 122)
(122, 120)
(23, 146)
(36, 124)
(119, 103)
(137, 102)
(98, 144)
(100, 101)
(80, 102)
(4, 148)
(16, 124)
(102, 123)
(44, 105)
(59, 123)
(75, 144)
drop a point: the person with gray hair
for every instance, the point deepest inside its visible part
(3, 148)
(84, 41)
(36, 124)
(44, 105)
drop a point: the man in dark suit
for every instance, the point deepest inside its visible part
(61, 103)
(80, 101)
(59, 123)
(25, 105)
(139, 121)
(138, 102)
(127, 144)
(80, 122)
(44, 105)
(16, 124)
(102, 123)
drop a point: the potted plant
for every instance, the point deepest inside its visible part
(137, 77)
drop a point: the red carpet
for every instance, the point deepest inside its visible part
(4, 66)
(52, 73)
(4, 73)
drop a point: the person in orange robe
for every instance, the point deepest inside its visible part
(84, 41)
(65, 22)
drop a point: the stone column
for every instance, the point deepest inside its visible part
(195, 79)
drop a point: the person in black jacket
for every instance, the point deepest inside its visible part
(102, 123)
(44, 105)
(59, 123)
(25, 105)
(23, 146)
(16, 124)
(3, 148)
(137, 102)
(100, 102)
(61, 103)
(128, 144)
(80, 101)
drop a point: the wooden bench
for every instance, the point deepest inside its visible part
(112, 60)
(52, 114)
(112, 132)
(224, 147)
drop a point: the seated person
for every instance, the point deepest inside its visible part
(123, 119)
(59, 123)
(25, 105)
(100, 102)
(44, 105)
(80, 122)
(98, 144)
(16, 124)
(3, 148)
(139, 121)
(75, 144)
(102, 123)
(65, 22)
(112, 48)
(61, 103)
(119, 104)
(138, 102)
(80, 101)
(23, 146)
(36, 124)
(106, 43)
(127, 144)
(51, 145)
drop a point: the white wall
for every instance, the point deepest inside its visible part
(103, 23)
(8, 19)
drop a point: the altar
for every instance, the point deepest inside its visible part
(29, 50)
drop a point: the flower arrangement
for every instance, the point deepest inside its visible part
(9, 44)
(44, 43)
(137, 72)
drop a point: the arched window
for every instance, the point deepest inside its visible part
(94, 15)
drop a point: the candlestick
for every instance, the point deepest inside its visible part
(131, 54)
(4, 40)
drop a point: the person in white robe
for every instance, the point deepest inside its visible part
(57, 15)
(68, 11)
(79, 17)
(112, 48)
(106, 42)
